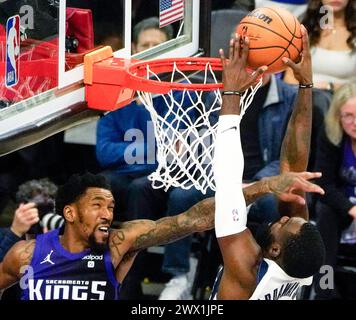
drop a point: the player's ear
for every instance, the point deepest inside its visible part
(274, 251)
(68, 213)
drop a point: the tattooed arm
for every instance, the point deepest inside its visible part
(148, 233)
(133, 236)
(140, 234)
(18, 256)
(296, 143)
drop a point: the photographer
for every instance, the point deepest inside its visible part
(26, 215)
(34, 214)
(41, 192)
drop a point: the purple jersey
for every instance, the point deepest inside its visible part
(348, 171)
(58, 274)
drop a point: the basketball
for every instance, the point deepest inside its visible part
(274, 33)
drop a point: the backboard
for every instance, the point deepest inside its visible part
(43, 43)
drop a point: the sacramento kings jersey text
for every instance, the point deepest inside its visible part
(61, 275)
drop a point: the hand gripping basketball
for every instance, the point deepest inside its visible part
(235, 75)
(274, 33)
(302, 70)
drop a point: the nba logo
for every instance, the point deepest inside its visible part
(12, 50)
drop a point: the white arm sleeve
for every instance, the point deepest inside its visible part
(230, 205)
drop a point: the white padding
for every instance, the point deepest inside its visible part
(230, 205)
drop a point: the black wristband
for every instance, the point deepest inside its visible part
(306, 86)
(232, 93)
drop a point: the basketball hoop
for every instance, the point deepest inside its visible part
(185, 134)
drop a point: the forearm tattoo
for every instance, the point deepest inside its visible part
(197, 219)
(254, 191)
(117, 239)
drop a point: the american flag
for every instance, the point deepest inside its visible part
(170, 11)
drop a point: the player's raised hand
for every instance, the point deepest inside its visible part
(235, 74)
(303, 70)
(285, 185)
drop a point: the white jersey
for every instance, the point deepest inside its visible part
(275, 284)
(272, 283)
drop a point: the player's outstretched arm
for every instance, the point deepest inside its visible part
(18, 256)
(140, 234)
(296, 143)
(136, 235)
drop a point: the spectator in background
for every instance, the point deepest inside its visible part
(42, 193)
(147, 34)
(297, 7)
(336, 159)
(333, 43)
(247, 5)
(26, 215)
(114, 139)
(34, 215)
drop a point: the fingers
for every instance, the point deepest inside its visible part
(309, 175)
(222, 57)
(245, 48)
(237, 45)
(258, 72)
(291, 197)
(32, 220)
(24, 207)
(305, 39)
(306, 186)
(26, 212)
(232, 48)
(289, 63)
(311, 187)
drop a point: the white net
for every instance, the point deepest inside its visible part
(185, 132)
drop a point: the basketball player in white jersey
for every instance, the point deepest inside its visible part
(290, 251)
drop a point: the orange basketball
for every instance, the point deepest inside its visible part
(274, 33)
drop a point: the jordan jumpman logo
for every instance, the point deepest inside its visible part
(48, 258)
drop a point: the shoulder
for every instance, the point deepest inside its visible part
(23, 251)
(20, 255)
(325, 142)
